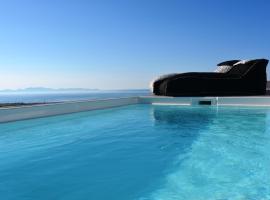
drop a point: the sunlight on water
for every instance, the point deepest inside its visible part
(140, 152)
(229, 160)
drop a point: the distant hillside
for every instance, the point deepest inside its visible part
(43, 89)
(48, 90)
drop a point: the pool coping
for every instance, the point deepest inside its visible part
(213, 101)
(10, 114)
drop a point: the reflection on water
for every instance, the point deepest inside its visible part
(185, 122)
(227, 159)
(195, 118)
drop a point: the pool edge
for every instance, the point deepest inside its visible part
(52, 109)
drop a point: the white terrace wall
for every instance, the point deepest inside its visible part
(244, 101)
(221, 101)
(29, 112)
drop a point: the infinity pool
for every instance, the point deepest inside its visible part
(139, 152)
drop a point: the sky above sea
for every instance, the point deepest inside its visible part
(124, 44)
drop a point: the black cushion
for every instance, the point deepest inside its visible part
(244, 78)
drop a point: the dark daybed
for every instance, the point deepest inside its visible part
(234, 77)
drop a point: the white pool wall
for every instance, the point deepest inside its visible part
(215, 101)
(165, 100)
(36, 111)
(244, 101)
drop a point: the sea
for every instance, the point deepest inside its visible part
(47, 97)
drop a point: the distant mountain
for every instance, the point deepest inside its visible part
(47, 90)
(44, 89)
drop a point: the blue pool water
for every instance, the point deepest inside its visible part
(138, 152)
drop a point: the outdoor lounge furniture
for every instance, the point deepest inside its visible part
(235, 78)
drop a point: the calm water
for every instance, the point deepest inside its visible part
(64, 96)
(138, 152)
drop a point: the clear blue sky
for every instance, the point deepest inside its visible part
(124, 44)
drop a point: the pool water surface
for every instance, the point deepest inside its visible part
(139, 152)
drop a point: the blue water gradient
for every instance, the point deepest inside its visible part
(138, 152)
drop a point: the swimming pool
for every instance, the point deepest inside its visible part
(140, 152)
